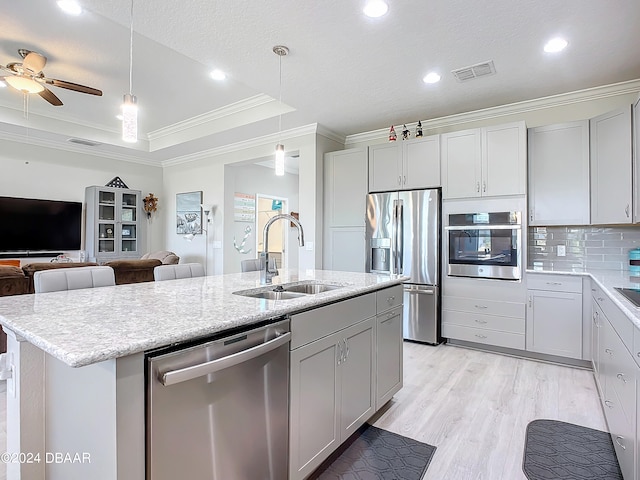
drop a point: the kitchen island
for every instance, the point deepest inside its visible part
(78, 388)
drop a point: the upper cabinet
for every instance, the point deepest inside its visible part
(114, 226)
(611, 167)
(636, 164)
(407, 165)
(488, 161)
(559, 174)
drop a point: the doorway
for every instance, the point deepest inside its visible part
(268, 206)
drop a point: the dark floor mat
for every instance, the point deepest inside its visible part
(564, 451)
(380, 455)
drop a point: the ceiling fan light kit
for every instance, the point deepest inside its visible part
(24, 84)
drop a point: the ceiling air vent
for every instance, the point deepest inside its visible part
(86, 143)
(474, 71)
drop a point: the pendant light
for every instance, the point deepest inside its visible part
(281, 51)
(130, 105)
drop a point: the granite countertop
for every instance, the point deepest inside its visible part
(607, 280)
(81, 327)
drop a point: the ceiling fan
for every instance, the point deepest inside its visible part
(28, 77)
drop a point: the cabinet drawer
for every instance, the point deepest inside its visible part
(622, 373)
(486, 307)
(388, 298)
(622, 435)
(480, 335)
(489, 322)
(320, 322)
(556, 283)
(618, 319)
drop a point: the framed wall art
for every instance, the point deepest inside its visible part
(189, 213)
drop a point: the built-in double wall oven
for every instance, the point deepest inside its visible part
(486, 245)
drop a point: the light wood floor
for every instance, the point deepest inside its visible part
(474, 406)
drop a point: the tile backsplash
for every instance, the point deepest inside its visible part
(590, 247)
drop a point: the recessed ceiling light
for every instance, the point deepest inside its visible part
(375, 8)
(555, 45)
(431, 77)
(218, 74)
(70, 6)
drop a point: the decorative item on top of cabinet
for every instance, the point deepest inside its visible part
(413, 165)
(488, 161)
(559, 174)
(405, 132)
(554, 315)
(392, 134)
(611, 167)
(419, 129)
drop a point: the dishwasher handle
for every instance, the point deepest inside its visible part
(182, 375)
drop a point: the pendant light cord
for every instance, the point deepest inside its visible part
(280, 100)
(131, 52)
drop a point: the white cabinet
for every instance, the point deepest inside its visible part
(636, 171)
(559, 174)
(389, 344)
(114, 227)
(489, 161)
(554, 315)
(332, 379)
(408, 165)
(345, 190)
(611, 167)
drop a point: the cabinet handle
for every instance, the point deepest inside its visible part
(530, 302)
(482, 322)
(405, 179)
(484, 187)
(638, 354)
(593, 289)
(346, 349)
(600, 299)
(609, 351)
(554, 283)
(399, 180)
(621, 377)
(391, 315)
(618, 438)
(481, 307)
(478, 187)
(608, 403)
(391, 299)
(481, 336)
(626, 210)
(339, 349)
(531, 215)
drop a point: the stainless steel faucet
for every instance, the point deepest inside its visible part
(266, 274)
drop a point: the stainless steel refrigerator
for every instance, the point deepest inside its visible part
(403, 237)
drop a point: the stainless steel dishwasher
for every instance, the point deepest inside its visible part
(219, 410)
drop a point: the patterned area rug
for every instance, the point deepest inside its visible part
(563, 451)
(380, 455)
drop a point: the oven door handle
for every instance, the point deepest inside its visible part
(484, 227)
(201, 369)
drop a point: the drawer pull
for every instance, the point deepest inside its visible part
(481, 321)
(621, 377)
(554, 283)
(608, 403)
(609, 351)
(481, 336)
(391, 299)
(600, 299)
(481, 307)
(618, 438)
(638, 354)
(593, 290)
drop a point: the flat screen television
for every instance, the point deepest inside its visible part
(32, 225)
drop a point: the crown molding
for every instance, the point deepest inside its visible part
(562, 99)
(231, 109)
(330, 134)
(70, 147)
(243, 145)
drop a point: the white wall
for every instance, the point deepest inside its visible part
(32, 171)
(253, 179)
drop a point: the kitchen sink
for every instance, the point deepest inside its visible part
(288, 291)
(272, 295)
(310, 288)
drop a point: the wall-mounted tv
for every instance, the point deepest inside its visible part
(32, 225)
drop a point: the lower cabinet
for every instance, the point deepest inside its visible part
(554, 315)
(389, 358)
(345, 363)
(617, 375)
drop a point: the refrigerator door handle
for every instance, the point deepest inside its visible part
(394, 241)
(400, 233)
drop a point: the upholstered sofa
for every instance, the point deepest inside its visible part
(133, 271)
(32, 268)
(166, 257)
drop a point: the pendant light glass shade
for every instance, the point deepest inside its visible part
(130, 119)
(24, 84)
(279, 160)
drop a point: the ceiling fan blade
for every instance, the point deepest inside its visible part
(50, 97)
(72, 86)
(34, 62)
